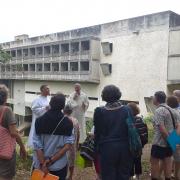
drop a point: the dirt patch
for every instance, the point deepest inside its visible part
(89, 173)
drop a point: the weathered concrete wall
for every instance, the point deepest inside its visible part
(139, 64)
(19, 97)
(174, 68)
(174, 42)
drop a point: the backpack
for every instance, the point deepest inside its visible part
(142, 130)
(135, 145)
(87, 149)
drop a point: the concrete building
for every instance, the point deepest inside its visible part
(140, 55)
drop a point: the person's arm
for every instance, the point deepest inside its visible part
(71, 101)
(69, 140)
(60, 153)
(14, 133)
(178, 128)
(38, 147)
(37, 109)
(163, 131)
(86, 103)
(78, 137)
(178, 123)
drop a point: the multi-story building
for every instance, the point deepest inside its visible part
(140, 55)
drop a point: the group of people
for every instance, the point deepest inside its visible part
(58, 129)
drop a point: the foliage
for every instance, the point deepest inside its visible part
(24, 164)
(89, 124)
(148, 121)
(4, 56)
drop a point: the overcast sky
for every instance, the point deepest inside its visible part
(38, 17)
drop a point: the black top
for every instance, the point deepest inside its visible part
(110, 124)
(47, 123)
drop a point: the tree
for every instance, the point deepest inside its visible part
(4, 56)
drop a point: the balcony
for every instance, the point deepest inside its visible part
(82, 71)
(76, 60)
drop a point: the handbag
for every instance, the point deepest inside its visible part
(7, 142)
(173, 139)
(87, 150)
(135, 144)
(39, 175)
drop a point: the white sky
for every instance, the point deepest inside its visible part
(38, 17)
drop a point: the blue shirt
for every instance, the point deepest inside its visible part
(50, 145)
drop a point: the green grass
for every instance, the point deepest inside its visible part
(24, 164)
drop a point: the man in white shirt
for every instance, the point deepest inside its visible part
(39, 106)
(79, 102)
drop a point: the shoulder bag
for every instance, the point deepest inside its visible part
(7, 142)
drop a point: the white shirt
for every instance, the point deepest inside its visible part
(38, 109)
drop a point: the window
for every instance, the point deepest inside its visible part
(47, 50)
(25, 52)
(8, 68)
(19, 67)
(32, 52)
(55, 49)
(85, 46)
(84, 66)
(19, 53)
(47, 67)
(39, 51)
(25, 67)
(64, 66)
(107, 48)
(32, 67)
(13, 53)
(39, 67)
(74, 66)
(2, 68)
(65, 48)
(74, 47)
(13, 68)
(55, 66)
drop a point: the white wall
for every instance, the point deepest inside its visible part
(139, 64)
(19, 97)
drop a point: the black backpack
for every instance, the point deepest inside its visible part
(87, 149)
(142, 130)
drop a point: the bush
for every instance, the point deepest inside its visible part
(148, 121)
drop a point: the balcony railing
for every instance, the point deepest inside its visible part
(54, 76)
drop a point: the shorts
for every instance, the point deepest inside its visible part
(176, 154)
(159, 152)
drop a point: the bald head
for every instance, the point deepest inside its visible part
(177, 94)
(77, 88)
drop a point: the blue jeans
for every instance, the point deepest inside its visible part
(115, 161)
